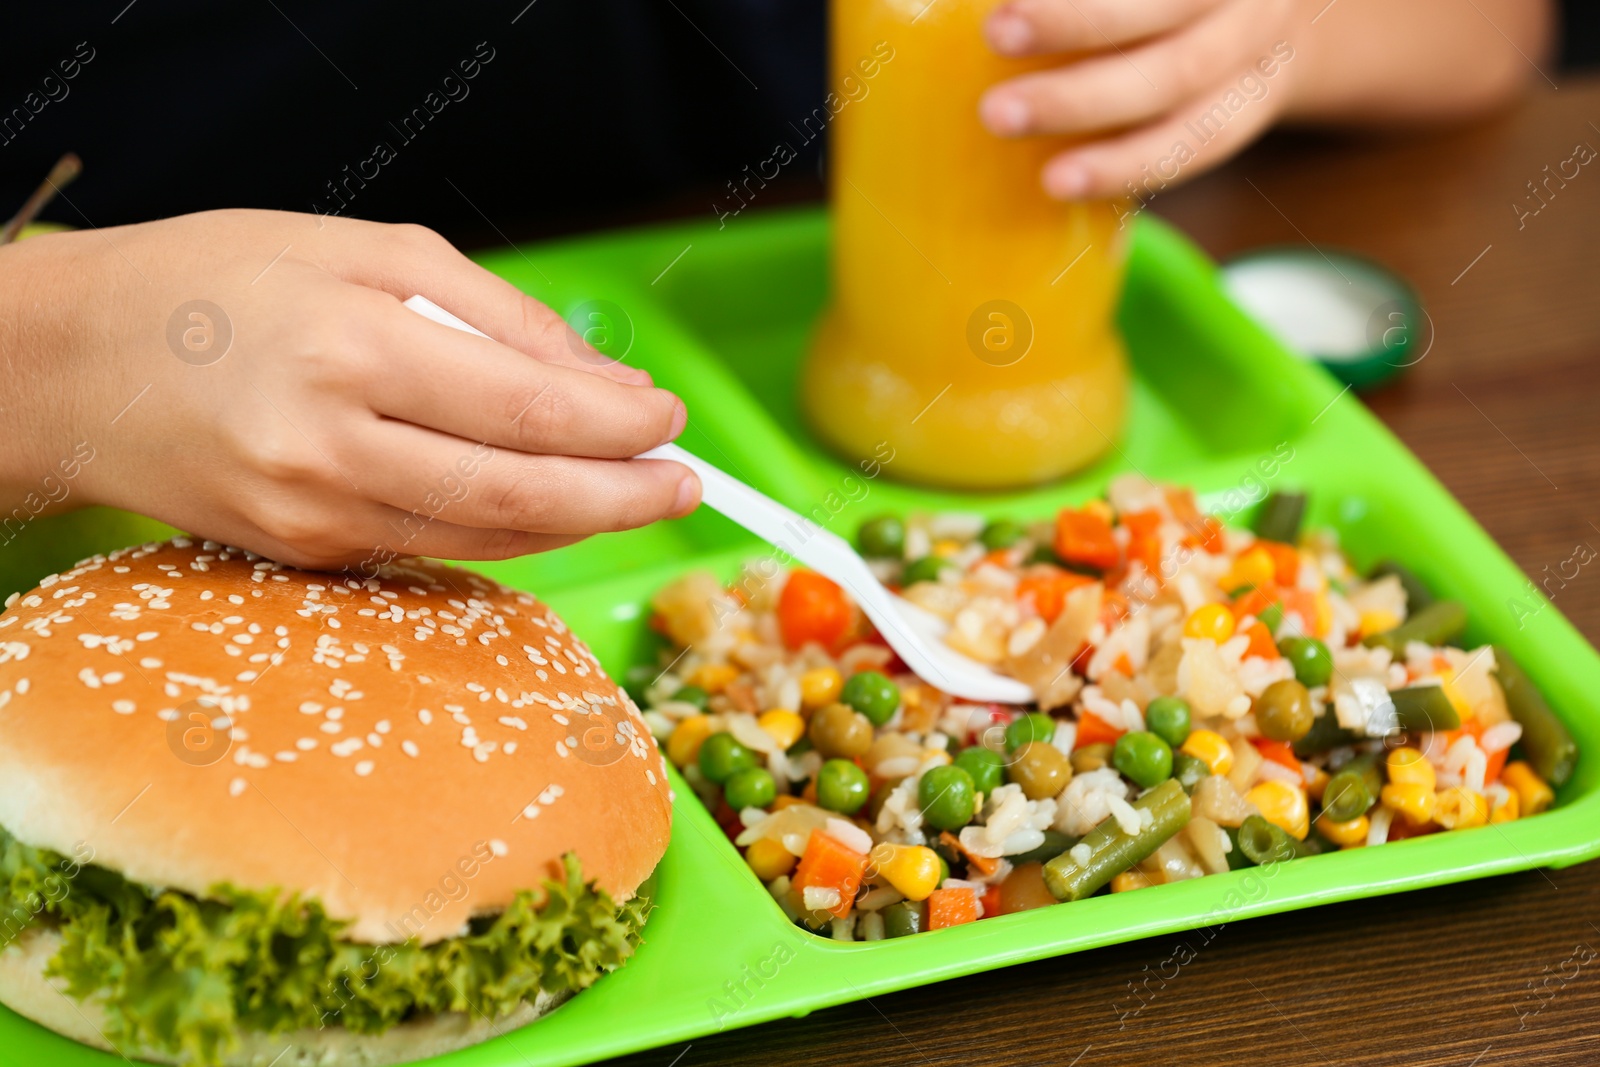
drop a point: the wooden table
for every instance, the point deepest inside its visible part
(1503, 409)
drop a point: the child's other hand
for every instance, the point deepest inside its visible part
(1139, 79)
(338, 428)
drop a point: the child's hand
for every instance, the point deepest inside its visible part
(335, 427)
(1144, 77)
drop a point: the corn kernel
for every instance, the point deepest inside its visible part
(784, 727)
(1460, 808)
(769, 859)
(1318, 783)
(1413, 800)
(820, 687)
(683, 747)
(1210, 748)
(785, 800)
(1532, 793)
(1350, 832)
(911, 869)
(1378, 621)
(712, 677)
(945, 548)
(1210, 620)
(1253, 570)
(1100, 508)
(1408, 766)
(1507, 810)
(1283, 806)
(1130, 879)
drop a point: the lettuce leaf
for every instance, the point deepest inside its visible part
(185, 974)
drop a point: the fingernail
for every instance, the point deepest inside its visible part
(688, 495)
(1004, 113)
(1010, 34)
(1067, 181)
(680, 419)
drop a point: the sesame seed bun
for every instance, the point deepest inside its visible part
(410, 750)
(24, 987)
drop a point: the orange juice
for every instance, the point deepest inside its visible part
(971, 325)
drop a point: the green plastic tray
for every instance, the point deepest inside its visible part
(1215, 401)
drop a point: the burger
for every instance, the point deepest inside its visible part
(251, 814)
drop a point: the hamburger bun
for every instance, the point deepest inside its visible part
(410, 750)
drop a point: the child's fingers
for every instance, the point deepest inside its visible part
(1040, 27)
(407, 260)
(1112, 90)
(1113, 166)
(479, 390)
(470, 484)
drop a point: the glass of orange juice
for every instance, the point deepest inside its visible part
(971, 323)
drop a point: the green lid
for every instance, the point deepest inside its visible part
(1354, 317)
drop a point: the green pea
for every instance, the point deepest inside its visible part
(1189, 770)
(842, 786)
(944, 868)
(693, 694)
(873, 695)
(905, 918)
(1142, 757)
(1284, 711)
(1168, 719)
(1034, 726)
(1001, 533)
(946, 795)
(1310, 658)
(751, 788)
(883, 537)
(722, 757)
(926, 569)
(1271, 616)
(984, 766)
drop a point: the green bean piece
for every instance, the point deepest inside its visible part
(1418, 595)
(904, 918)
(1550, 749)
(1353, 789)
(1440, 623)
(1189, 770)
(1264, 843)
(1424, 707)
(1280, 517)
(1237, 860)
(1055, 843)
(1325, 733)
(1112, 850)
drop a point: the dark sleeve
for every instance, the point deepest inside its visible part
(1580, 34)
(473, 118)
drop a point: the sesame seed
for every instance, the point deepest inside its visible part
(364, 768)
(409, 747)
(237, 786)
(498, 847)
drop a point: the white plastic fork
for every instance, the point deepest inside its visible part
(916, 635)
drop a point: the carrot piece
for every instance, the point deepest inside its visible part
(1253, 602)
(1093, 730)
(1047, 588)
(1304, 604)
(1113, 607)
(1144, 544)
(1261, 643)
(1123, 664)
(829, 865)
(1004, 558)
(1285, 561)
(1180, 501)
(1279, 752)
(812, 608)
(1085, 537)
(982, 864)
(1497, 763)
(1204, 533)
(991, 900)
(951, 907)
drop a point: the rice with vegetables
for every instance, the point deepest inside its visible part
(1208, 698)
